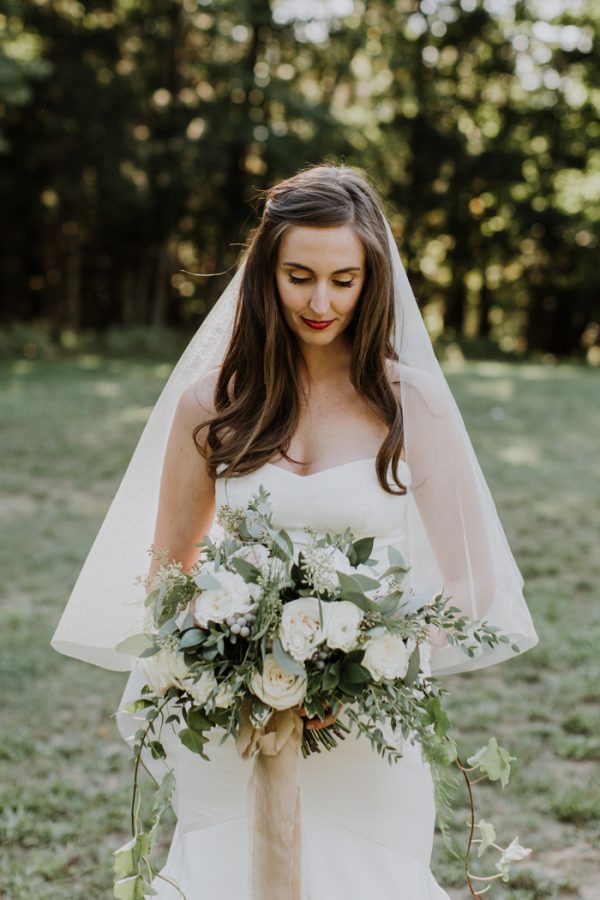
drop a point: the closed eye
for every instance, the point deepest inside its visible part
(294, 280)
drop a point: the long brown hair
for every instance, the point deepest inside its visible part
(258, 389)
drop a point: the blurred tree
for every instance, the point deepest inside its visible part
(137, 133)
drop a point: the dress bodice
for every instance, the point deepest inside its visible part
(344, 496)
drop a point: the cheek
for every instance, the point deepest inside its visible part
(290, 297)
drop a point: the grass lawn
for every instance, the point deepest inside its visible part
(68, 431)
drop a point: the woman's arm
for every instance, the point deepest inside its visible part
(186, 506)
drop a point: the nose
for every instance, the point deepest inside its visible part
(319, 302)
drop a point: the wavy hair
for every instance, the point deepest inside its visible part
(258, 389)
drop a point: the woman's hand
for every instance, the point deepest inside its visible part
(316, 724)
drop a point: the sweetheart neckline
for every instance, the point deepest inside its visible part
(352, 462)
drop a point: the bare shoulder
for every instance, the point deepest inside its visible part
(424, 384)
(199, 397)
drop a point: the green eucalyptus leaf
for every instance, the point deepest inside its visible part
(395, 557)
(362, 550)
(413, 666)
(206, 582)
(192, 638)
(135, 644)
(365, 582)
(285, 661)
(245, 569)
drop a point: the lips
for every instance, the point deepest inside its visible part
(317, 326)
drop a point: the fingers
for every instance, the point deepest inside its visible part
(316, 724)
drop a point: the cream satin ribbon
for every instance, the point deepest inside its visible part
(274, 804)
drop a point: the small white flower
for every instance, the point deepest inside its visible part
(164, 670)
(341, 624)
(232, 596)
(321, 565)
(386, 657)
(278, 688)
(300, 629)
(278, 571)
(201, 689)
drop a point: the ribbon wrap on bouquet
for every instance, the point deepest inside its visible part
(275, 820)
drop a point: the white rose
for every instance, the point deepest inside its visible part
(341, 624)
(339, 561)
(216, 604)
(386, 657)
(256, 554)
(278, 688)
(201, 689)
(164, 670)
(225, 696)
(300, 629)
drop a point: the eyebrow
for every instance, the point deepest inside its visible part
(295, 265)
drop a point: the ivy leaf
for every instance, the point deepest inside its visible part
(128, 856)
(487, 834)
(437, 716)
(494, 761)
(164, 791)
(194, 741)
(131, 888)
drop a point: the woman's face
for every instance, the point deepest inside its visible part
(319, 273)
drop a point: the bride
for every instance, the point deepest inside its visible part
(314, 377)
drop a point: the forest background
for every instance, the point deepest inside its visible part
(137, 134)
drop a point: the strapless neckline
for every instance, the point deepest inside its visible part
(353, 462)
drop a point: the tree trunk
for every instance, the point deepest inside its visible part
(161, 284)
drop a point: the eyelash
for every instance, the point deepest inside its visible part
(294, 280)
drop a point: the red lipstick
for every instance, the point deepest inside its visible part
(318, 326)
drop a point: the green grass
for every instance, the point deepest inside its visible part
(69, 427)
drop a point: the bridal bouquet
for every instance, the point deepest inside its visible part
(261, 628)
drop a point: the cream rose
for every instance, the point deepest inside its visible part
(278, 688)
(164, 670)
(216, 604)
(200, 689)
(386, 657)
(341, 624)
(300, 629)
(225, 696)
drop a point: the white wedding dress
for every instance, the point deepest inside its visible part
(367, 826)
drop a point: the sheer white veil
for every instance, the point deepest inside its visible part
(457, 542)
